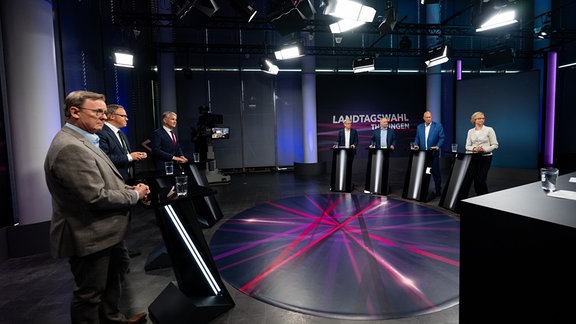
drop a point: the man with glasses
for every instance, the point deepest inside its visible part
(115, 144)
(90, 212)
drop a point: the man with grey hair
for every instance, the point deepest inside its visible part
(164, 144)
(90, 211)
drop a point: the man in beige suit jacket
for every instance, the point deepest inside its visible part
(91, 211)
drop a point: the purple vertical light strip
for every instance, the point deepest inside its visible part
(550, 108)
(458, 70)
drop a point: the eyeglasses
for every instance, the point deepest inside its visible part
(99, 112)
(123, 116)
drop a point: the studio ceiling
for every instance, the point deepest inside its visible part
(225, 35)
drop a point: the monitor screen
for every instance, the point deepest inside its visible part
(220, 132)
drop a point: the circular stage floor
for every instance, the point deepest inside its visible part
(343, 256)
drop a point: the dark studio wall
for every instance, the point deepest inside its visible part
(510, 103)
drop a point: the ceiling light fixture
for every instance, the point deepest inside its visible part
(181, 8)
(363, 64)
(123, 59)
(543, 32)
(351, 10)
(436, 56)
(500, 19)
(267, 66)
(248, 11)
(289, 51)
(207, 7)
(389, 22)
(344, 25)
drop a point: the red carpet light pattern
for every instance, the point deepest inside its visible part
(343, 256)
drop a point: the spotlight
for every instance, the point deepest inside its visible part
(207, 7)
(124, 59)
(504, 15)
(389, 22)
(181, 7)
(306, 9)
(268, 67)
(363, 64)
(351, 10)
(425, 2)
(244, 9)
(436, 56)
(290, 51)
(344, 25)
(543, 32)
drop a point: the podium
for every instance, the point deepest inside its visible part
(207, 209)
(418, 173)
(377, 171)
(464, 165)
(199, 294)
(341, 175)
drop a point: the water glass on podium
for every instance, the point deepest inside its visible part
(169, 167)
(548, 177)
(181, 185)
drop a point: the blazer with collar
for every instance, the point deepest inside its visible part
(390, 138)
(341, 139)
(163, 148)
(90, 201)
(435, 135)
(110, 144)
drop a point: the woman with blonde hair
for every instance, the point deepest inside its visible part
(481, 140)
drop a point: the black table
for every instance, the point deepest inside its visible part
(517, 252)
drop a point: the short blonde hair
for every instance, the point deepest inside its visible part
(475, 116)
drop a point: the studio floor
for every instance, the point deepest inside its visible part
(37, 288)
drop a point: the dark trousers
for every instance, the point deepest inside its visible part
(98, 279)
(484, 163)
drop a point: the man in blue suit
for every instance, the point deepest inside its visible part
(383, 137)
(165, 146)
(115, 144)
(430, 136)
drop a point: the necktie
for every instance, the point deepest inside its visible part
(123, 142)
(173, 137)
(126, 151)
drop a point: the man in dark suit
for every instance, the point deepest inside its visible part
(347, 137)
(430, 136)
(91, 211)
(164, 144)
(383, 137)
(115, 144)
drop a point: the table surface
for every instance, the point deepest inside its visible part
(531, 201)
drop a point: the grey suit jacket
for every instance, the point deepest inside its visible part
(90, 201)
